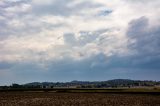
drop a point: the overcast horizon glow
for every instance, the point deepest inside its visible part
(88, 40)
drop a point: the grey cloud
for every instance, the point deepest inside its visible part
(147, 39)
(60, 70)
(3, 31)
(5, 65)
(22, 72)
(134, 62)
(144, 62)
(61, 8)
(80, 70)
(30, 23)
(146, 45)
(95, 67)
(101, 67)
(69, 38)
(7, 16)
(142, 1)
(7, 3)
(105, 12)
(84, 38)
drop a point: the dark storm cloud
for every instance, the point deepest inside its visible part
(86, 69)
(101, 67)
(146, 43)
(147, 39)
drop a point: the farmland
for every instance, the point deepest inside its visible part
(40, 98)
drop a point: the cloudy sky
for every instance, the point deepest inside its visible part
(64, 40)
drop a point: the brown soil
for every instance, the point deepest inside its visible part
(76, 99)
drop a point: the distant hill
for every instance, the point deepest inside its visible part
(115, 83)
(96, 84)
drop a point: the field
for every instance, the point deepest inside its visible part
(77, 99)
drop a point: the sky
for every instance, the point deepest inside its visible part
(86, 40)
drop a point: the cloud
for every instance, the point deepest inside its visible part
(146, 38)
(61, 7)
(5, 65)
(105, 12)
(144, 43)
(86, 38)
(69, 38)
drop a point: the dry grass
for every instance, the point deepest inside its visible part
(76, 99)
